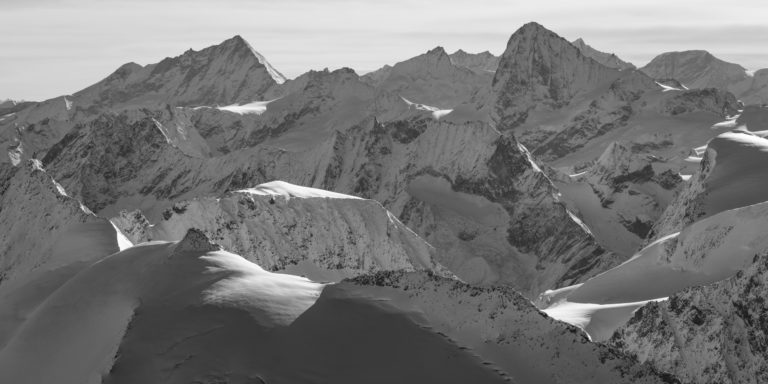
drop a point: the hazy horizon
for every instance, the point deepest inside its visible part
(55, 47)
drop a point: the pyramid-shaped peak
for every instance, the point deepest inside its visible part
(534, 33)
(533, 27)
(437, 51)
(540, 69)
(196, 241)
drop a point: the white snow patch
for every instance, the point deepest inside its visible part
(281, 188)
(577, 174)
(122, 242)
(667, 88)
(437, 113)
(254, 107)
(597, 320)
(731, 123)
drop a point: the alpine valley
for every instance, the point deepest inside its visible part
(554, 214)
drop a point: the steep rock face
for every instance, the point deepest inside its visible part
(710, 100)
(757, 92)
(474, 194)
(610, 60)
(730, 176)
(622, 195)
(44, 228)
(503, 327)
(566, 107)
(433, 174)
(228, 73)
(754, 118)
(609, 111)
(481, 62)
(30, 131)
(432, 79)
(708, 334)
(540, 70)
(46, 237)
(324, 237)
(696, 69)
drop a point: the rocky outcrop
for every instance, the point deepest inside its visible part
(323, 238)
(710, 100)
(433, 78)
(708, 334)
(622, 195)
(480, 62)
(610, 111)
(541, 71)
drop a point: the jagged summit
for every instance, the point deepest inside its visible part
(431, 78)
(483, 62)
(607, 59)
(228, 73)
(196, 241)
(276, 75)
(540, 69)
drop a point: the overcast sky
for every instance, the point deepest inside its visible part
(54, 47)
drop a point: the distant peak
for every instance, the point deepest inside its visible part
(437, 51)
(532, 32)
(196, 241)
(688, 53)
(532, 27)
(238, 43)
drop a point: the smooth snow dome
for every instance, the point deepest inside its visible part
(281, 188)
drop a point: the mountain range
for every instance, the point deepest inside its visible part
(550, 215)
